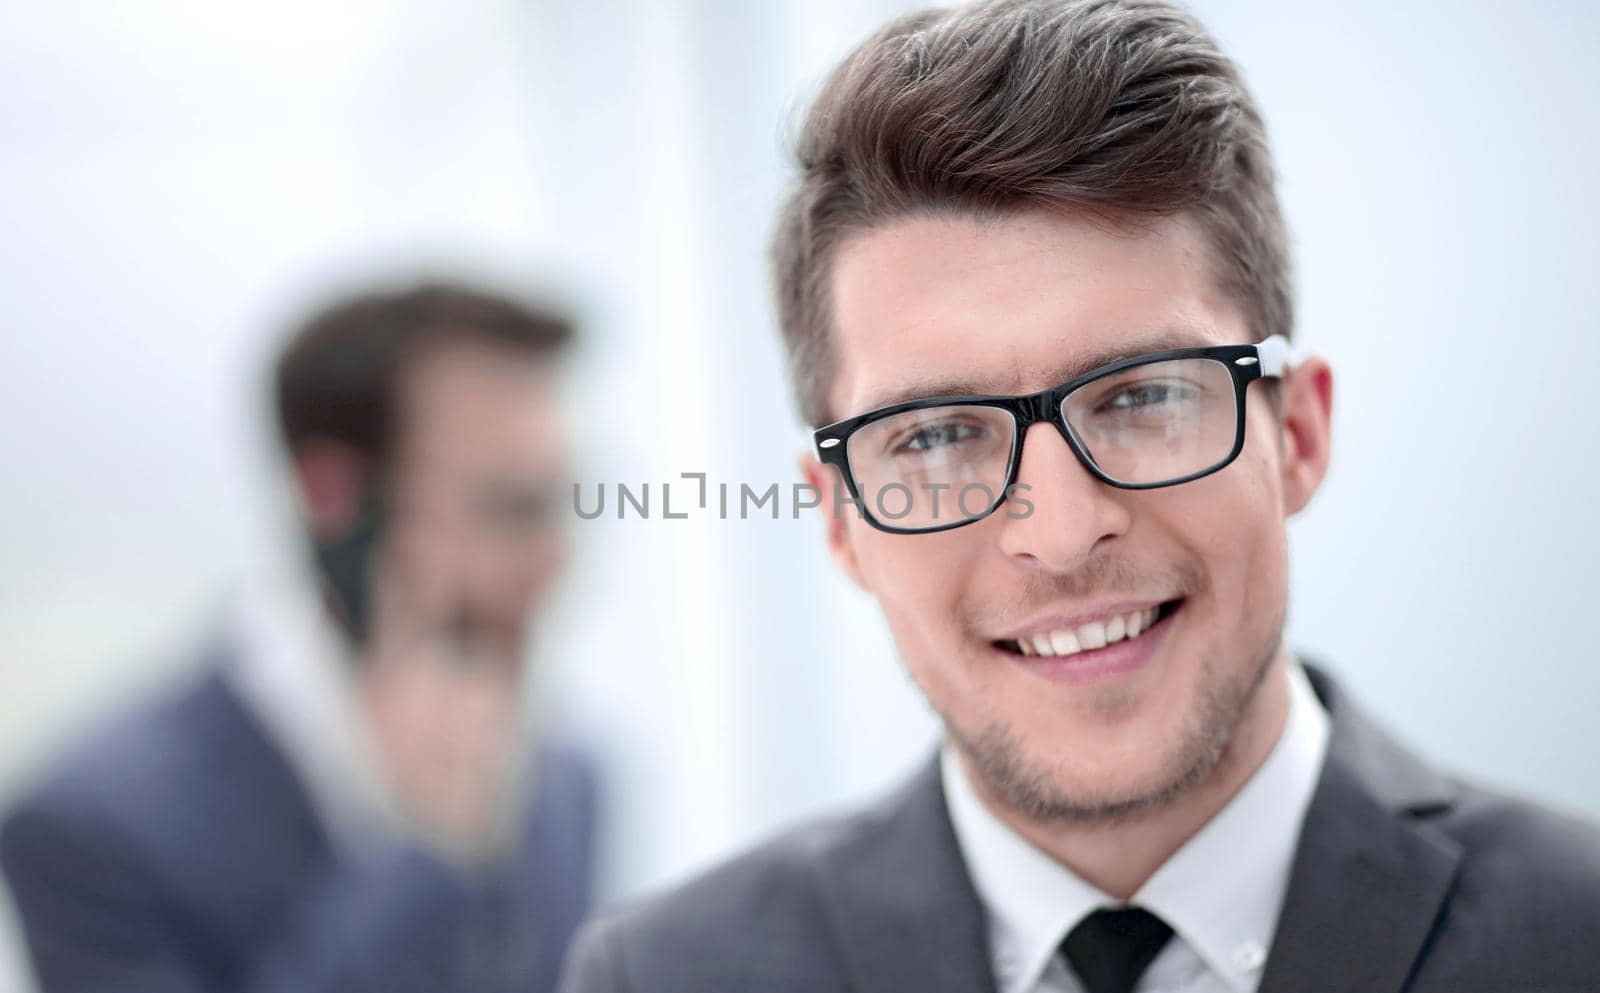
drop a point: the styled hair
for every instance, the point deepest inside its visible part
(1121, 108)
(340, 373)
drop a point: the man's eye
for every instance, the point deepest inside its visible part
(1140, 396)
(939, 435)
(514, 510)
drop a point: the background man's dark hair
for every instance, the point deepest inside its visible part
(1122, 108)
(338, 377)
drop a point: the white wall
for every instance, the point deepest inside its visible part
(1438, 174)
(177, 179)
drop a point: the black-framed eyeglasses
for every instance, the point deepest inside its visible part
(1139, 423)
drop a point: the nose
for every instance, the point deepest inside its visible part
(1071, 512)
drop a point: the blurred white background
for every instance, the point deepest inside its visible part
(178, 179)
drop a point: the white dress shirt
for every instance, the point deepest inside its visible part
(1220, 892)
(294, 672)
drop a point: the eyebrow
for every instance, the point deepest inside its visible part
(1143, 344)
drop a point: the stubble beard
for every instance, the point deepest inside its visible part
(1026, 785)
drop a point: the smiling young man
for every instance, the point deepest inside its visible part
(1034, 283)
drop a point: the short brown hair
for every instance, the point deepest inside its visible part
(339, 375)
(1125, 108)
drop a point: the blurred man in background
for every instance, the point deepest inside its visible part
(350, 794)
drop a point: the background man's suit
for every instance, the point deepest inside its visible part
(177, 853)
(1404, 880)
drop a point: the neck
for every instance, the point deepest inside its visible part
(1118, 857)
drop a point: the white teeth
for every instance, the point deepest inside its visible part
(1095, 634)
(1115, 629)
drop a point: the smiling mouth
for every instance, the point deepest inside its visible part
(1091, 636)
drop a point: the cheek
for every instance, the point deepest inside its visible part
(1237, 530)
(1228, 526)
(1263, 550)
(517, 569)
(920, 582)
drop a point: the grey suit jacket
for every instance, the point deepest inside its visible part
(1404, 880)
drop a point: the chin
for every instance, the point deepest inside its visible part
(1103, 785)
(1104, 756)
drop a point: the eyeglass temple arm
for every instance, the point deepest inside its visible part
(1276, 354)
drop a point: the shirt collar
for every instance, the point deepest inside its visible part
(1032, 900)
(1222, 890)
(1223, 906)
(294, 671)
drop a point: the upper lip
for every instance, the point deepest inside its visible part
(1076, 617)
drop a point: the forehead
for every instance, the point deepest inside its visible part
(465, 399)
(924, 306)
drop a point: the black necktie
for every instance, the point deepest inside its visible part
(1109, 949)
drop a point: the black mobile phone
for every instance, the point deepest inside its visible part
(345, 563)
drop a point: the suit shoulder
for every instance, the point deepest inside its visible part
(78, 825)
(778, 878)
(1524, 906)
(177, 755)
(746, 923)
(1502, 833)
(1518, 861)
(1522, 861)
(135, 750)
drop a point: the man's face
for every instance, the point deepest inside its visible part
(1013, 306)
(472, 539)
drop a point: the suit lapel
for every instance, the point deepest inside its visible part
(900, 903)
(1369, 881)
(1370, 876)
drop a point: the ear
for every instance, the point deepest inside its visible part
(830, 488)
(331, 478)
(1307, 413)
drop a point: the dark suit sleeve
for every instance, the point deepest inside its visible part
(592, 965)
(96, 919)
(87, 916)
